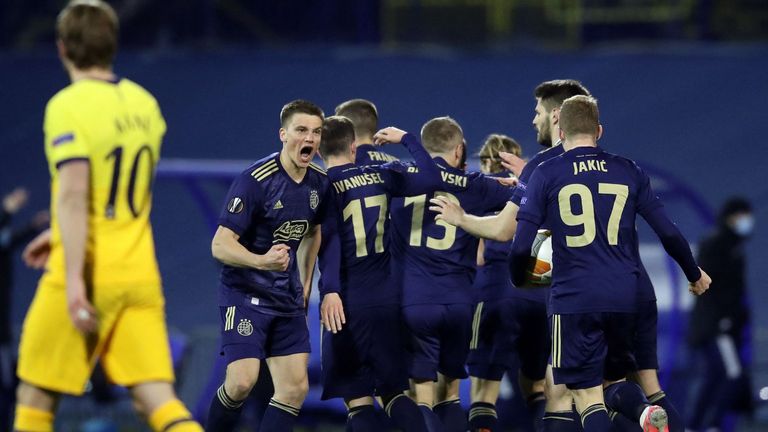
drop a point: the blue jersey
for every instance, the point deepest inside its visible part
(525, 176)
(493, 280)
(369, 154)
(265, 206)
(589, 199)
(357, 225)
(438, 259)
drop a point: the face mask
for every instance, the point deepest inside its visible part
(744, 225)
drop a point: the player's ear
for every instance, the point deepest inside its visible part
(561, 134)
(282, 135)
(599, 132)
(555, 115)
(353, 149)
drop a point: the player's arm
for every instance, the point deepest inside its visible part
(480, 253)
(306, 257)
(72, 214)
(226, 248)
(513, 163)
(678, 248)
(329, 262)
(521, 250)
(499, 227)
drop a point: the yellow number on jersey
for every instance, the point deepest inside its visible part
(587, 215)
(417, 222)
(354, 210)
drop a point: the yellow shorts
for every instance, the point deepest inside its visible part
(132, 341)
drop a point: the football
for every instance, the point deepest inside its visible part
(540, 266)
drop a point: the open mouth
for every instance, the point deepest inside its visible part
(306, 153)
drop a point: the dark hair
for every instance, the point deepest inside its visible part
(732, 206)
(554, 93)
(441, 134)
(363, 114)
(338, 134)
(496, 143)
(299, 106)
(579, 116)
(88, 31)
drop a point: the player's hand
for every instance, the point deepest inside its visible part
(15, 200)
(36, 253)
(512, 162)
(81, 311)
(332, 313)
(448, 211)
(701, 285)
(276, 258)
(508, 181)
(388, 135)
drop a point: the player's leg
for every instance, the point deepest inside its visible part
(289, 376)
(579, 350)
(243, 339)
(138, 356)
(482, 413)
(533, 351)
(287, 357)
(35, 408)
(621, 395)
(647, 363)
(455, 336)
(422, 323)
(361, 415)
(386, 357)
(559, 415)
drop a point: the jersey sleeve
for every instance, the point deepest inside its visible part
(65, 140)
(403, 180)
(244, 203)
(522, 182)
(533, 204)
(647, 200)
(496, 194)
(329, 256)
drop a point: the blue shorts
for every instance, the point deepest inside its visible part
(438, 339)
(645, 335)
(507, 329)
(247, 333)
(588, 348)
(367, 356)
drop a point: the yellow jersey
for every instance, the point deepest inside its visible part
(118, 128)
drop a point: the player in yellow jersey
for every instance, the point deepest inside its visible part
(100, 296)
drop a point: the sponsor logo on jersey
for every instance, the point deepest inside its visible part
(235, 205)
(278, 205)
(290, 230)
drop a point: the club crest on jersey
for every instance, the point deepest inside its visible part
(245, 328)
(235, 205)
(291, 230)
(314, 199)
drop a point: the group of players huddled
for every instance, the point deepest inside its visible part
(410, 295)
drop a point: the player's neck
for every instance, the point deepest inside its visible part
(449, 158)
(579, 141)
(364, 139)
(334, 161)
(99, 73)
(293, 170)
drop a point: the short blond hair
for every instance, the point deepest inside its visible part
(88, 30)
(441, 135)
(579, 116)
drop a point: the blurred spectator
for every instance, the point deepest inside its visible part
(10, 239)
(718, 321)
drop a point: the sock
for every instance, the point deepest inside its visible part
(431, 419)
(619, 423)
(224, 414)
(30, 419)
(536, 403)
(482, 415)
(405, 414)
(627, 398)
(279, 417)
(675, 422)
(561, 421)
(173, 416)
(362, 419)
(595, 419)
(452, 415)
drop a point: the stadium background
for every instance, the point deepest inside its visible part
(681, 85)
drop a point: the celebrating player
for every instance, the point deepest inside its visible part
(365, 117)
(267, 239)
(589, 198)
(101, 295)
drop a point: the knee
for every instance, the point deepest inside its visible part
(293, 393)
(558, 397)
(238, 384)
